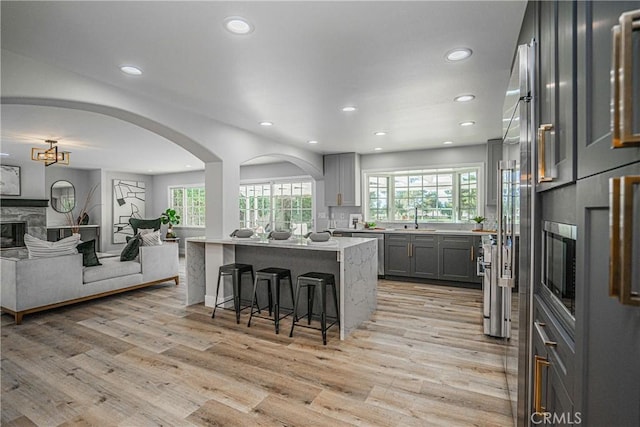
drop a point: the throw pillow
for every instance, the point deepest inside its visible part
(42, 249)
(142, 231)
(130, 251)
(137, 223)
(151, 239)
(88, 251)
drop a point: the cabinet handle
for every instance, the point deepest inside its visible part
(542, 161)
(540, 362)
(622, 81)
(472, 253)
(409, 250)
(545, 339)
(621, 195)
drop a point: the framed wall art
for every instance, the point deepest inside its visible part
(9, 180)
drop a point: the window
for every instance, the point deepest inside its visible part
(189, 203)
(277, 205)
(440, 195)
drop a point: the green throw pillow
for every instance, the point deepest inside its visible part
(130, 252)
(88, 251)
(144, 223)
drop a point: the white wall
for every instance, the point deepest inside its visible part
(82, 180)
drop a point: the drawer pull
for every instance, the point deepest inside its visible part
(622, 81)
(542, 159)
(540, 362)
(545, 339)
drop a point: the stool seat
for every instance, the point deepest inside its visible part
(242, 268)
(309, 281)
(273, 277)
(235, 270)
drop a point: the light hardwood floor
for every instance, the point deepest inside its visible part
(143, 358)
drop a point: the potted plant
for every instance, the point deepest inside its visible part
(478, 220)
(170, 217)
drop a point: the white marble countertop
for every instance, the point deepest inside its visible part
(334, 244)
(414, 231)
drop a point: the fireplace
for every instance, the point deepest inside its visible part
(12, 234)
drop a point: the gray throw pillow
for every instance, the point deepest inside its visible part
(130, 251)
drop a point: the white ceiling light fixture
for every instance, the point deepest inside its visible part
(265, 123)
(464, 98)
(131, 70)
(380, 133)
(448, 142)
(349, 108)
(313, 141)
(458, 54)
(468, 123)
(377, 149)
(187, 166)
(238, 25)
(4, 154)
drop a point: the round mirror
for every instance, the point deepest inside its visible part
(63, 196)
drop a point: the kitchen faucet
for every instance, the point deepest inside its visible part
(416, 217)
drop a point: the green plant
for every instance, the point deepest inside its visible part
(478, 219)
(170, 217)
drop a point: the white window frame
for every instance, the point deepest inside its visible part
(415, 170)
(285, 180)
(184, 216)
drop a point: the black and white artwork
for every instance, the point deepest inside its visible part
(9, 180)
(128, 202)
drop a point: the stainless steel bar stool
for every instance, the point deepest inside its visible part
(309, 281)
(235, 271)
(273, 276)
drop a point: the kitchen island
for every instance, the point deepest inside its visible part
(352, 260)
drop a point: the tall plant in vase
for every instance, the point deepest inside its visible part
(170, 217)
(83, 214)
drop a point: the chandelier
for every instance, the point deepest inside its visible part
(50, 155)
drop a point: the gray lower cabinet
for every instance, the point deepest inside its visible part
(457, 258)
(431, 256)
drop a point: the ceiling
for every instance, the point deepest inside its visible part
(302, 63)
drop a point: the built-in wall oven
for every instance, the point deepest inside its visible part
(559, 269)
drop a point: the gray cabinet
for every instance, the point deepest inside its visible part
(607, 331)
(494, 155)
(397, 259)
(457, 258)
(556, 89)
(594, 88)
(342, 179)
(432, 256)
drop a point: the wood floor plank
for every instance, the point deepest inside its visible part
(143, 358)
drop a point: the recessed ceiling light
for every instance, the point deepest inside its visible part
(448, 142)
(380, 133)
(238, 25)
(187, 166)
(131, 70)
(464, 98)
(377, 149)
(349, 108)
(469, 123)
(313, 141)
(266, 123)
(459, 54)
(4, 154)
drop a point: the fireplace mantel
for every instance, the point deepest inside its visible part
(23, 203)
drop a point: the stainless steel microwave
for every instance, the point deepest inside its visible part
(559, 263)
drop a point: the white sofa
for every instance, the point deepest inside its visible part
(31, 285)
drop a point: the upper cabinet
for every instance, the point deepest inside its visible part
(556, 134)
(595, 50)
(342, 179)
